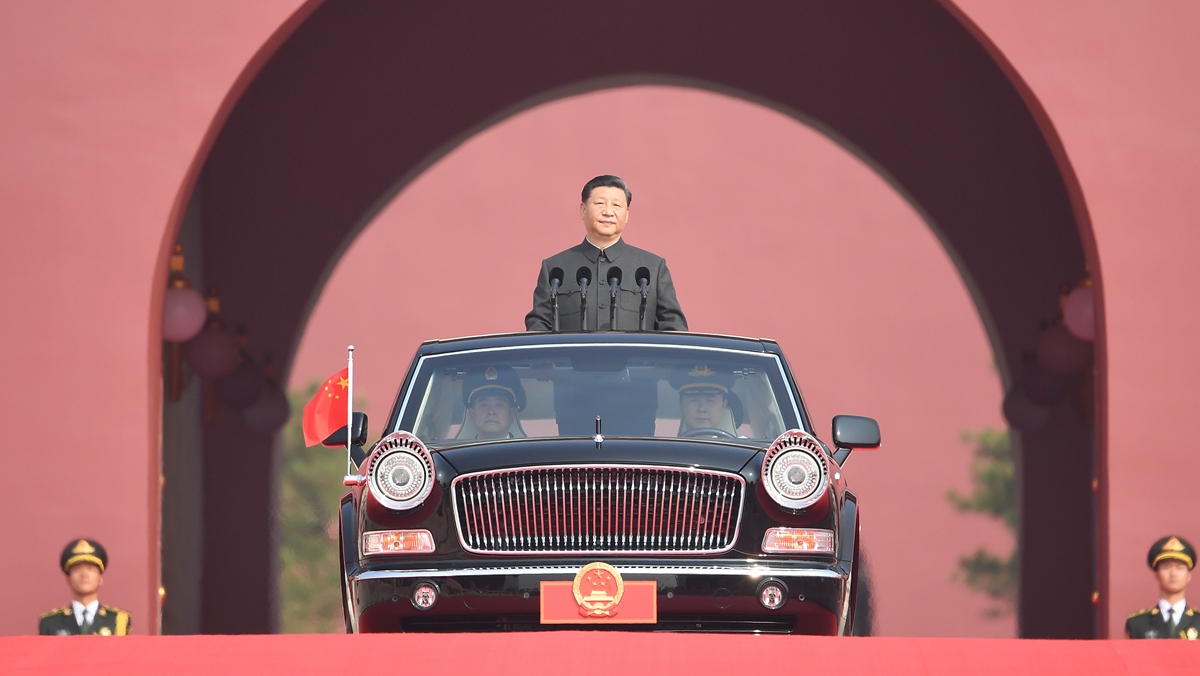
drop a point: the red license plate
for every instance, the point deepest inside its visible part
(637, 604)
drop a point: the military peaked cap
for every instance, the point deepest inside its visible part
(493, 380)
(83, 550)
(1172, 547)
(701, 378)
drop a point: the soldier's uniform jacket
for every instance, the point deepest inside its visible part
(108, 621)
(1150, 623)
(662, 308)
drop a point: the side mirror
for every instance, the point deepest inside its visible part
(851, 432)
(358, 433)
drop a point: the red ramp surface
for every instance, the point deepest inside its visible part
(587, 652)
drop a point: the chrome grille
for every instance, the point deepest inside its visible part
(609, 509)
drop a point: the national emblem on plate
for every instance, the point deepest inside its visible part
(598, 588)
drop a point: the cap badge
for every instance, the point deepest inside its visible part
(490, 373)
(598, 588)
(702, 371)
(1173, 545)
(82, 547)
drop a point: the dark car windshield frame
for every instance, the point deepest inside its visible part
(789, 407)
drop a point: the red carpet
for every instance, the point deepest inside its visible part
(619, 654)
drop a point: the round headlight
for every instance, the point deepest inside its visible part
(794, 473)
(402, 476)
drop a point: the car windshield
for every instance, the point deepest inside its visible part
(636, 390)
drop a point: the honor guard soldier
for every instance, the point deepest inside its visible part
(602, 282)
(84, 562)
(1172, 559)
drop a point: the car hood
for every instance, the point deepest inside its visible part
(479, 457)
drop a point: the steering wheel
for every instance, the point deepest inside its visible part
(713, 432)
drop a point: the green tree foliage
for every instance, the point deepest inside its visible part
(310, 488)
(992, 494)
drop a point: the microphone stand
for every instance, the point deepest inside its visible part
(583, 305)
(613, 284)
(554, 303)
(642, 308)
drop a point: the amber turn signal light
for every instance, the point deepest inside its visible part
(397, 542)
(790, 540)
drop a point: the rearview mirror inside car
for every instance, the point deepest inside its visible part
(358, 433)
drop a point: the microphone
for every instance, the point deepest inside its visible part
(614, 280)
(583, 276)
(556, 278)
(614, 285)
(643, 279)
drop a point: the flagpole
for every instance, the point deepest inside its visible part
(349, 406)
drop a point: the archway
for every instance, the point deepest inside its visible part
(361, 98)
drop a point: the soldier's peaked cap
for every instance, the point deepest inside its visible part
(83, 550)
(493, 380)
(1172, 547)
(701, 378)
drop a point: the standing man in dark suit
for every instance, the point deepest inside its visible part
(643, 283)
(1172, 560)
(84, 562)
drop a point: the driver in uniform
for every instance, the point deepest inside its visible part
(493, 397)
(705, 398)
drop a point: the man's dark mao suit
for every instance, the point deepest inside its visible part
(662, 308)
(108, 621)
(1150, 623)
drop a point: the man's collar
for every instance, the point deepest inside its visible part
(613, 250)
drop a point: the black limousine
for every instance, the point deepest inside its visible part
(633, 481)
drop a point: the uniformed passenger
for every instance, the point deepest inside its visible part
(1172, 560)
(84, 561)
(493, 397)
(706, 401)
(604, 210)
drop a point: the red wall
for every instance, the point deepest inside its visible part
(1118, 81)
(106, 109)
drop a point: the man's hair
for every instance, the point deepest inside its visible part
(607, 181)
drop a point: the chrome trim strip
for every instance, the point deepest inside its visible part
(749, 570)
(690, 472)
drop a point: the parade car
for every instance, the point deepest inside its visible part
(637, 481)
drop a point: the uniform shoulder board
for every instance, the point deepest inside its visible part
(63, 609)
(122, 620)
(1141, 612)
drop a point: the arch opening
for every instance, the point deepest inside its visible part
(308, 155)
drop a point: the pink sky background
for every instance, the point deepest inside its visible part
(858, 291)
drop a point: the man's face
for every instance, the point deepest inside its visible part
(702, 409)
(492, 415)
(85, 579)
(605, 214)
(1173, 576)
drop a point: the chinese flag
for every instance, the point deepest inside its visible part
(326, 413)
